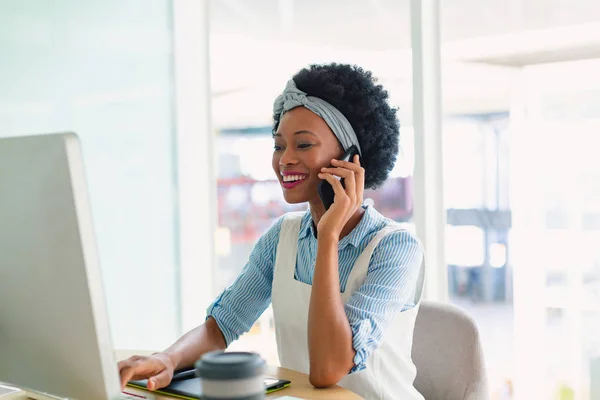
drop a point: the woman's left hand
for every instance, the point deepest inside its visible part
(347, 200)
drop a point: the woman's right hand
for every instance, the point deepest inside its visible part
(158, 369)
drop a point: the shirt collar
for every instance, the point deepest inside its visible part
(370, 220)
(306, 228)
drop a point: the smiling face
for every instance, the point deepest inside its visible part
(304, 144)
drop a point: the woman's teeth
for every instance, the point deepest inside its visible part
(292, 178)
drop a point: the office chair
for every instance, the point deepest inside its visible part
(447, 353)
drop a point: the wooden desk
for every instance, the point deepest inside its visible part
(300, 386)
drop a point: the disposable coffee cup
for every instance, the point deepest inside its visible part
(231, 375)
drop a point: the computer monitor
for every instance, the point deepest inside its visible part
(54, 333)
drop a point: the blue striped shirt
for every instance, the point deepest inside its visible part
(388, 287)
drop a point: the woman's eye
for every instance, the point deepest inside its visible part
(304, 145)
(277, 148)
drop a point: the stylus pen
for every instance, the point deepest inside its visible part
(184, 374)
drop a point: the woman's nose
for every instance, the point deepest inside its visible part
(288, 157)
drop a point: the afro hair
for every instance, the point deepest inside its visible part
(354, 92)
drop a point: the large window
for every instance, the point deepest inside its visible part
(560, 209)
(521, 190)
(103, 70)
(477, 245)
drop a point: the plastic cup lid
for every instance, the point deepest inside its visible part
(230, 365)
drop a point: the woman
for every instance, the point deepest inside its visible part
(345, 282)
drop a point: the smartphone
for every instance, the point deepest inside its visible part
(325, 189)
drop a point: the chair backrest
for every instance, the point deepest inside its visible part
(447, 353)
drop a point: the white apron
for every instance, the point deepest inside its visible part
(389, 372)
